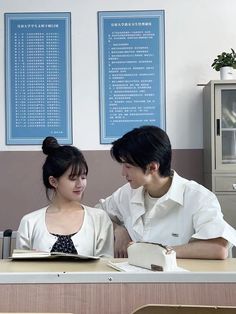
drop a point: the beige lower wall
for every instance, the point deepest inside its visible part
(22, 190)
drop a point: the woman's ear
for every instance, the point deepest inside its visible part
(53, 181)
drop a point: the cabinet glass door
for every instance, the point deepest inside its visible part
(225, 110)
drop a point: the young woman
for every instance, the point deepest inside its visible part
(65, 225)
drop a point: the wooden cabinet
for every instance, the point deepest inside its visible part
(219, 140)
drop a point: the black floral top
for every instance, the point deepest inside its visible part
(64, 244)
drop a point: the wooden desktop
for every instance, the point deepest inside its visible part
(94, 287)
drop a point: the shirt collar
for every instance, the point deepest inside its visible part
(175, 192)
(137, 201)
(138, 196)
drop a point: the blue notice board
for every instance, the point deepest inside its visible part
(132, 71)
(38, 77)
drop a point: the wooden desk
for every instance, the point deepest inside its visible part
(93, 287)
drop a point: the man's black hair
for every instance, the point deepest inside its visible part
(143, 145)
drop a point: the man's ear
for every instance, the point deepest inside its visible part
(153, 166)
(53, 181)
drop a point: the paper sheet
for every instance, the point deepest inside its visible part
(126, 267)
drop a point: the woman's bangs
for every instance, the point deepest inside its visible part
(78, 169)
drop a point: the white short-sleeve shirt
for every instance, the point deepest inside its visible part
(188, 210)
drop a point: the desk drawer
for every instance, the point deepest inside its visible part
(225, 184)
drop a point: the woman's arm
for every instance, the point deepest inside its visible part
(105, 241)
(22, 238)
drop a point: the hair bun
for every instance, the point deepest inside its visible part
(49, 145)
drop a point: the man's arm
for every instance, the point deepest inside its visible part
(203, 249)
(121, 240)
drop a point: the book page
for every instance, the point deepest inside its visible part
(34, 254)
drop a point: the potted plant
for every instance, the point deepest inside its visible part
(225, 63)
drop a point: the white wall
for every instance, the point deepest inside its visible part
(195, 32)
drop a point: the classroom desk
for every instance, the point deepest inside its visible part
(93, 287)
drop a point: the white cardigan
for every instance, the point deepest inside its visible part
(95, 236)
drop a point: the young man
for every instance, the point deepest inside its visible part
(157, 205)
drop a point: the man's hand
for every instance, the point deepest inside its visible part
(122, 240)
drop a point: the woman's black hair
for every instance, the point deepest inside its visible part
(143, 145)
(59, 159)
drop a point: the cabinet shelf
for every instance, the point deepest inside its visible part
(228, 129)
(229, 161)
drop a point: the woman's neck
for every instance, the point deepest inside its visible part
(64, 206)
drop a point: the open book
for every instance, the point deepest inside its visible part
(33, 254)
